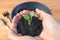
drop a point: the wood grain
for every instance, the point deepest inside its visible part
(8, 5)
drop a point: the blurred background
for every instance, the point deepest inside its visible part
(6, 6)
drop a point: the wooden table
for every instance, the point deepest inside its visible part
(8, 5)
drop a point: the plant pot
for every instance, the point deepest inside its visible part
(36, 25)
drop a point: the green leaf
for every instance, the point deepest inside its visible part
(29, 17)
(26, 17)
(32, 14)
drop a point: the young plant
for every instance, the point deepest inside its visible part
(29, 17)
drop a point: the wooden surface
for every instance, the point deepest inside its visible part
(8, 5)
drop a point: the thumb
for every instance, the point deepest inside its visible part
(49, 23)
(42, 14)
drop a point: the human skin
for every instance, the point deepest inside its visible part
(50, 27)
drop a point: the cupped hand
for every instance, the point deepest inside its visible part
(13, 35)
(50, 26)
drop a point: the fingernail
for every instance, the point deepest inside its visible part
(26, 11)
(40, 18)
(17, 14)
(37, 10)
(21, 13)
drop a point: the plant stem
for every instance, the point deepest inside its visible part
(29, 21)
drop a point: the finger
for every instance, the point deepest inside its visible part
(21, 13)
(14, 24)
(43, 14)
(49, 23)
(12, 34)
(15, 21)
(12, 31)
(16, 18)
(39, 38)
(19, 16)
(36, 15)
(26, 11)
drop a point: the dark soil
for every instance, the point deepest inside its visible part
(33, 30)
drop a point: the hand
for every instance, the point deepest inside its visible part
(13, 32)
(50, 26)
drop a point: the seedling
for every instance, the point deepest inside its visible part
(29, 17)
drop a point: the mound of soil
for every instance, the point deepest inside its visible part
(33, 30)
